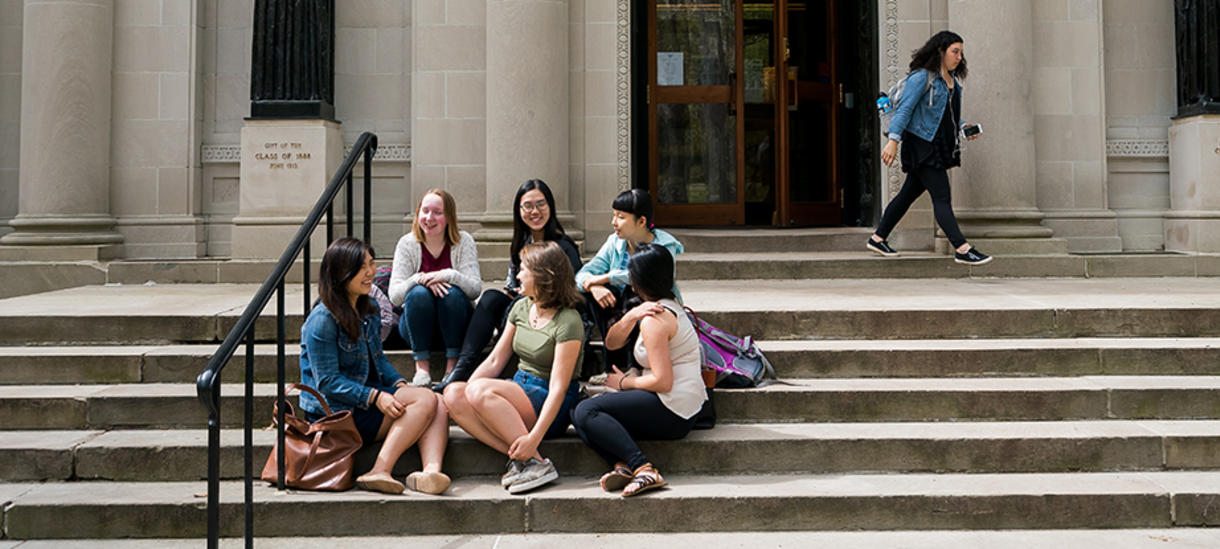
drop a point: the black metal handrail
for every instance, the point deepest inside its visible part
(208, 383)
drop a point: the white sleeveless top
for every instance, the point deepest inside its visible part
(687, 394)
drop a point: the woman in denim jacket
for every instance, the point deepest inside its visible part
(927, 121)
(341, 357)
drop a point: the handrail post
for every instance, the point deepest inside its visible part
(330, 223)
(214, 471)
(305, 273)
(351, 208)
(279, 382)
(368, 196)
(248, 461)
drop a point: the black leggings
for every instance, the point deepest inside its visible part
(609, 424)
(936, 182)
(489, 314)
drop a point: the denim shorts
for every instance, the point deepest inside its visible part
(368, 422)
(536, 390)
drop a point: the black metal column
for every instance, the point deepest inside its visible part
(292, 71)
(1197, 25)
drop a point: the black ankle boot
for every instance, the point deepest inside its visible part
(461, 372)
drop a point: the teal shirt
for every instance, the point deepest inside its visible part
(612, 259)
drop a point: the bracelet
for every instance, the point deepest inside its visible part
(620, 382)
(376, 395)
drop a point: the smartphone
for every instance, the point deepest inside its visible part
(972, 130)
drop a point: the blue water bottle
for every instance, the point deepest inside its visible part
(884, 105)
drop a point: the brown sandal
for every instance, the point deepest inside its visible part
(646, 478)
(617, 478)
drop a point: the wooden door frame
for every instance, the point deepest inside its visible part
(796, 214)
(697, 214)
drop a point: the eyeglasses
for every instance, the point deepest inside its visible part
(529, 207)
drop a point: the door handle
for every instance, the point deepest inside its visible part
(732, 93)
(794, 88)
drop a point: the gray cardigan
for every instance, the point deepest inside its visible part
(464, 275)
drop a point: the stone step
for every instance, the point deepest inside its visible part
(755, 240)
(993, 357)
(576, 505)
(860, 263)
(1163, 538)
(799, 358)
(153, 405)
(992, 447)
(766, 309)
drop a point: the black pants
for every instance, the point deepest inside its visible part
(610, 423)
(489, 314)
(919, 179)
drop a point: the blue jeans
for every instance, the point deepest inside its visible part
(422, 311)
(536, 389)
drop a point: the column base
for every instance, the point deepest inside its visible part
(1006, 232)
(97, 252)
(1193, 221)
(37, 231)
(285, 166)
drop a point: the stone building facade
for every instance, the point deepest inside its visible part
(121, 120)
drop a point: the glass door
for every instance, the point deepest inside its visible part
(810, 95)
(694, 102)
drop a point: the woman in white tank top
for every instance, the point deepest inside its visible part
(662, 403)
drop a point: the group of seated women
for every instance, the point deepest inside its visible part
(538, 317)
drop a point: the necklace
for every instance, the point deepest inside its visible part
(537, 318)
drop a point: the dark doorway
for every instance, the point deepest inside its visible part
(757, 112)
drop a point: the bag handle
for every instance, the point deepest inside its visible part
(315, 393)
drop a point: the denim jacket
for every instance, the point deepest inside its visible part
(612, 259)
(337, 366)
(920, 113)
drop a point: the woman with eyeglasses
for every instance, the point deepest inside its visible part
(533, 221)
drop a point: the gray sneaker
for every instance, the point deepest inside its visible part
(534, 474)
(513, 470)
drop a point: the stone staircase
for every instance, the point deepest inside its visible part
(1081, 411)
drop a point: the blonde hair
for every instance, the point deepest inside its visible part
(450, 206)
(554, 280)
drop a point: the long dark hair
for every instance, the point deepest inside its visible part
(552, 231)
(636, 202)
(651, 269)
(930, 54)
(342, 262)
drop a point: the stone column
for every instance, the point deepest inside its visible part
(64, 183)
(995, 192)
(527, 105)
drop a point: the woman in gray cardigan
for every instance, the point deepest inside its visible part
(436, 278)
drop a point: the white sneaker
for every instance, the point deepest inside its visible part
(534, 474)
(421, 379)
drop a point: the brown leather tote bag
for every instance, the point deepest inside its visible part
(319, 455)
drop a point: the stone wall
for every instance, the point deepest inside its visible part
(154, 175)
(1068, 124)
(1140, 99)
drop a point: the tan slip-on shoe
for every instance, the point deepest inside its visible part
(379, 482)
(428, 482)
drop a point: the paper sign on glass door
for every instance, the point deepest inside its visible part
(669, 68)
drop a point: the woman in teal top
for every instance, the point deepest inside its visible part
(545, 332)
(604, 278)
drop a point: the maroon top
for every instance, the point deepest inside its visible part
(428, 264)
